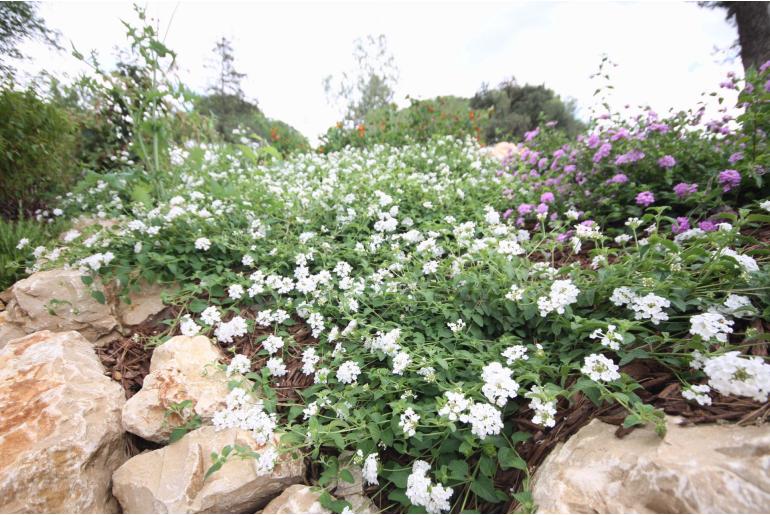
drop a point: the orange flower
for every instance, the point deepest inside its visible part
(361, 130)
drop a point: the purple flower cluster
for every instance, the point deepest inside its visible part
(645, 198)
(729, 179)
(667, 161)
(683, 189)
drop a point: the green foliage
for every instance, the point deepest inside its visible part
(183, 412)
(19, 22)
(37, 151)
(514, 110)
(14, 261)
(418, 123)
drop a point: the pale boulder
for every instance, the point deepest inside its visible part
(502, 150)
(60, 432)
(699, 469)
(172, 479)
(144, 304)
(297, 499)
(58, 300)
(183, 368)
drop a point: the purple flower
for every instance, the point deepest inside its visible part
(681, 224)
(561, 238)
(764, 67)
(729, 179)
(525, 208)
(667, 161)
(507, 214)
(659, 127)
(707, 226)
(593, 141)
(619, 178)
(629, 157)
(645, 198)
(529, 136)
(603, 152)
(683, 189)
(542, 163)
(767, 86)
(542, 208)
(570, 168)
(735, 157)
(547, 197)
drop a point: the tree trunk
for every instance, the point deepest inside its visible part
(753, 19)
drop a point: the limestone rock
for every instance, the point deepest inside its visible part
(8, 330)
(171, 479)
(57, 300)
(699, 469)
(145, 303)
(297, 499)
(60, 432)
(181, 369)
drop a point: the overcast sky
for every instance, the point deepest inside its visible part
(667, 53)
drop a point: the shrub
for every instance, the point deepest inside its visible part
(37, 145)
(16, 253)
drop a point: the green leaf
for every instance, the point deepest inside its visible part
(347, 476)
(484, 488)
(509, 458)
(99, 296)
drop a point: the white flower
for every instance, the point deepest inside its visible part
(698, 393)
(240, 364)
(622, 239)
(711, 325)
(544, 412)
(730, 374)
(400, 362)
(738, 303)
(235, 291)
(408, 422)
(515, 294)
(272, 343)
(211, 315)
(22, 243)
(633, 222)
(429, 373)
(623, 295)
(748, 263)
(137, 247)
(499, 386)
(369, 470)
(321, 376)
(484, 419)
(266, 461)
(309, 360)
(650, 307)
(765, 204)
(232, 329)
(430, 267)
(600, 368)
(611, 338)
(348, 372)
(562, 294)
(456, 404)
(515, 353)
(276, 367)
(188, 327)
(202, 244)
(456, 327)
(422, 492)
(242, 412)
(247, 260)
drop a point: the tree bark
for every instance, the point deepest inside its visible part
(753, 20)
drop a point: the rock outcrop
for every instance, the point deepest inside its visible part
(60, 432)
(181, 369)
(172, 479)
(297, 499)
(696, 469)
(58, 300)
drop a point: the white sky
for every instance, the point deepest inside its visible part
(668, 53)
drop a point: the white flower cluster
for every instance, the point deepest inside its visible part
(240, 364)
(211, 315)
(457, 326)
(499, 385)
(421, 491)
(562, 294)
(400, 362)
(647, 307)
(203, 244)
(515, 294)
(600, 368)
(188, 327)
(272, 343)
(698, 393)
(730, 374)
(95, 261)
(484, 419)
(456, 404)
(609, 338)
(735, 304)
(369, 469)
(408, 422)
(748, 263)
(227, 331)
(348, 372)
(309, 360)
(711, 325)
(543, 406)
(276, 367)
(515, 353)
(244, 413)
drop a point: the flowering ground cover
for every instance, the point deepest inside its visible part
(447, 318)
